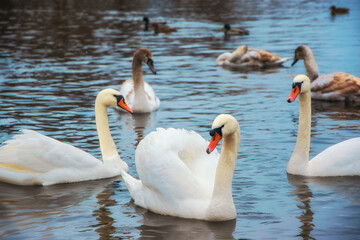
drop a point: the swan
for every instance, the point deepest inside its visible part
(244, 57)
(335, 86)
(31, 158)
(178, 178)
(138, 94)
(147, 23)
(341, 159)
(230, 31)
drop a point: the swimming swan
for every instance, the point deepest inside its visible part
(335, 86)
(139, 95)
(341, 159)
(178, 178)
(31, 158)
(250, 58)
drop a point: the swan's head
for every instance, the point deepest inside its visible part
(145, 55)
(241, 50)
(111, 97)
(301, 84)
(223, 125)
(226, 27)
(300, 53)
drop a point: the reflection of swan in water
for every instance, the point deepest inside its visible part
(304, 196)
(343, 194)
(167, 227)
(28, 205)
(137, 123)
(103, 215)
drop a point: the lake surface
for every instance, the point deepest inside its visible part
(56, 55)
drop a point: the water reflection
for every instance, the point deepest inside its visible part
(333, 188)
(48, 204)
(166, 227)
(137, 123)
(304, 196)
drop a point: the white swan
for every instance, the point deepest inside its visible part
(342, 159)
(31, 158)
(244, 57)
(178, 178)
(138, 94)
(337, 86)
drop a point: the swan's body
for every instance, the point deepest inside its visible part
(336, 86)
(244, 57)
(178, 178)
(31, 158)
(139, 95)
(342, 159)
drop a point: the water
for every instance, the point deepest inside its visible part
(56, 55)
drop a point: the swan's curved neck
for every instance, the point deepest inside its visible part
(299, 160)
(311, 67)
(107, 145)
(137, 75)
(222, 193)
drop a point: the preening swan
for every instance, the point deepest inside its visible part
(335, 86)
(244, 57)
(342, 159)
(31, 158)
(138, 94)
(178, 178)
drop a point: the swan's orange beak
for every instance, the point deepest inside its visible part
(294, 93)
(124, 106)
(214, 141)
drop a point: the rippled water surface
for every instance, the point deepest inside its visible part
(56, 55)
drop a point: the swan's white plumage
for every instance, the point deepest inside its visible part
(148, 102)
(341, 159)
(47, 161)
(31, 158)
(174, 157)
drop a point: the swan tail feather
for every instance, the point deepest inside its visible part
(135, 188)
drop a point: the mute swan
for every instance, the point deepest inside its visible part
(177, 178)
(341, 159)
(244, 57)
(231, 31)
(147, 23)
(138, 94)
(31, 158)
(336, 86)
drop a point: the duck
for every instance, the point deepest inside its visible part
(179, 178)
(337, 86)
(230, 31)
(341, 159)
(139, 95)
(148, 24)
(31, 158)
(248, 58)
(163, 28)
(335, 10)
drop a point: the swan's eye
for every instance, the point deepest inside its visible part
(216, 130)
(298, 84)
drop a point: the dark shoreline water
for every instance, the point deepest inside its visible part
(56, 55)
